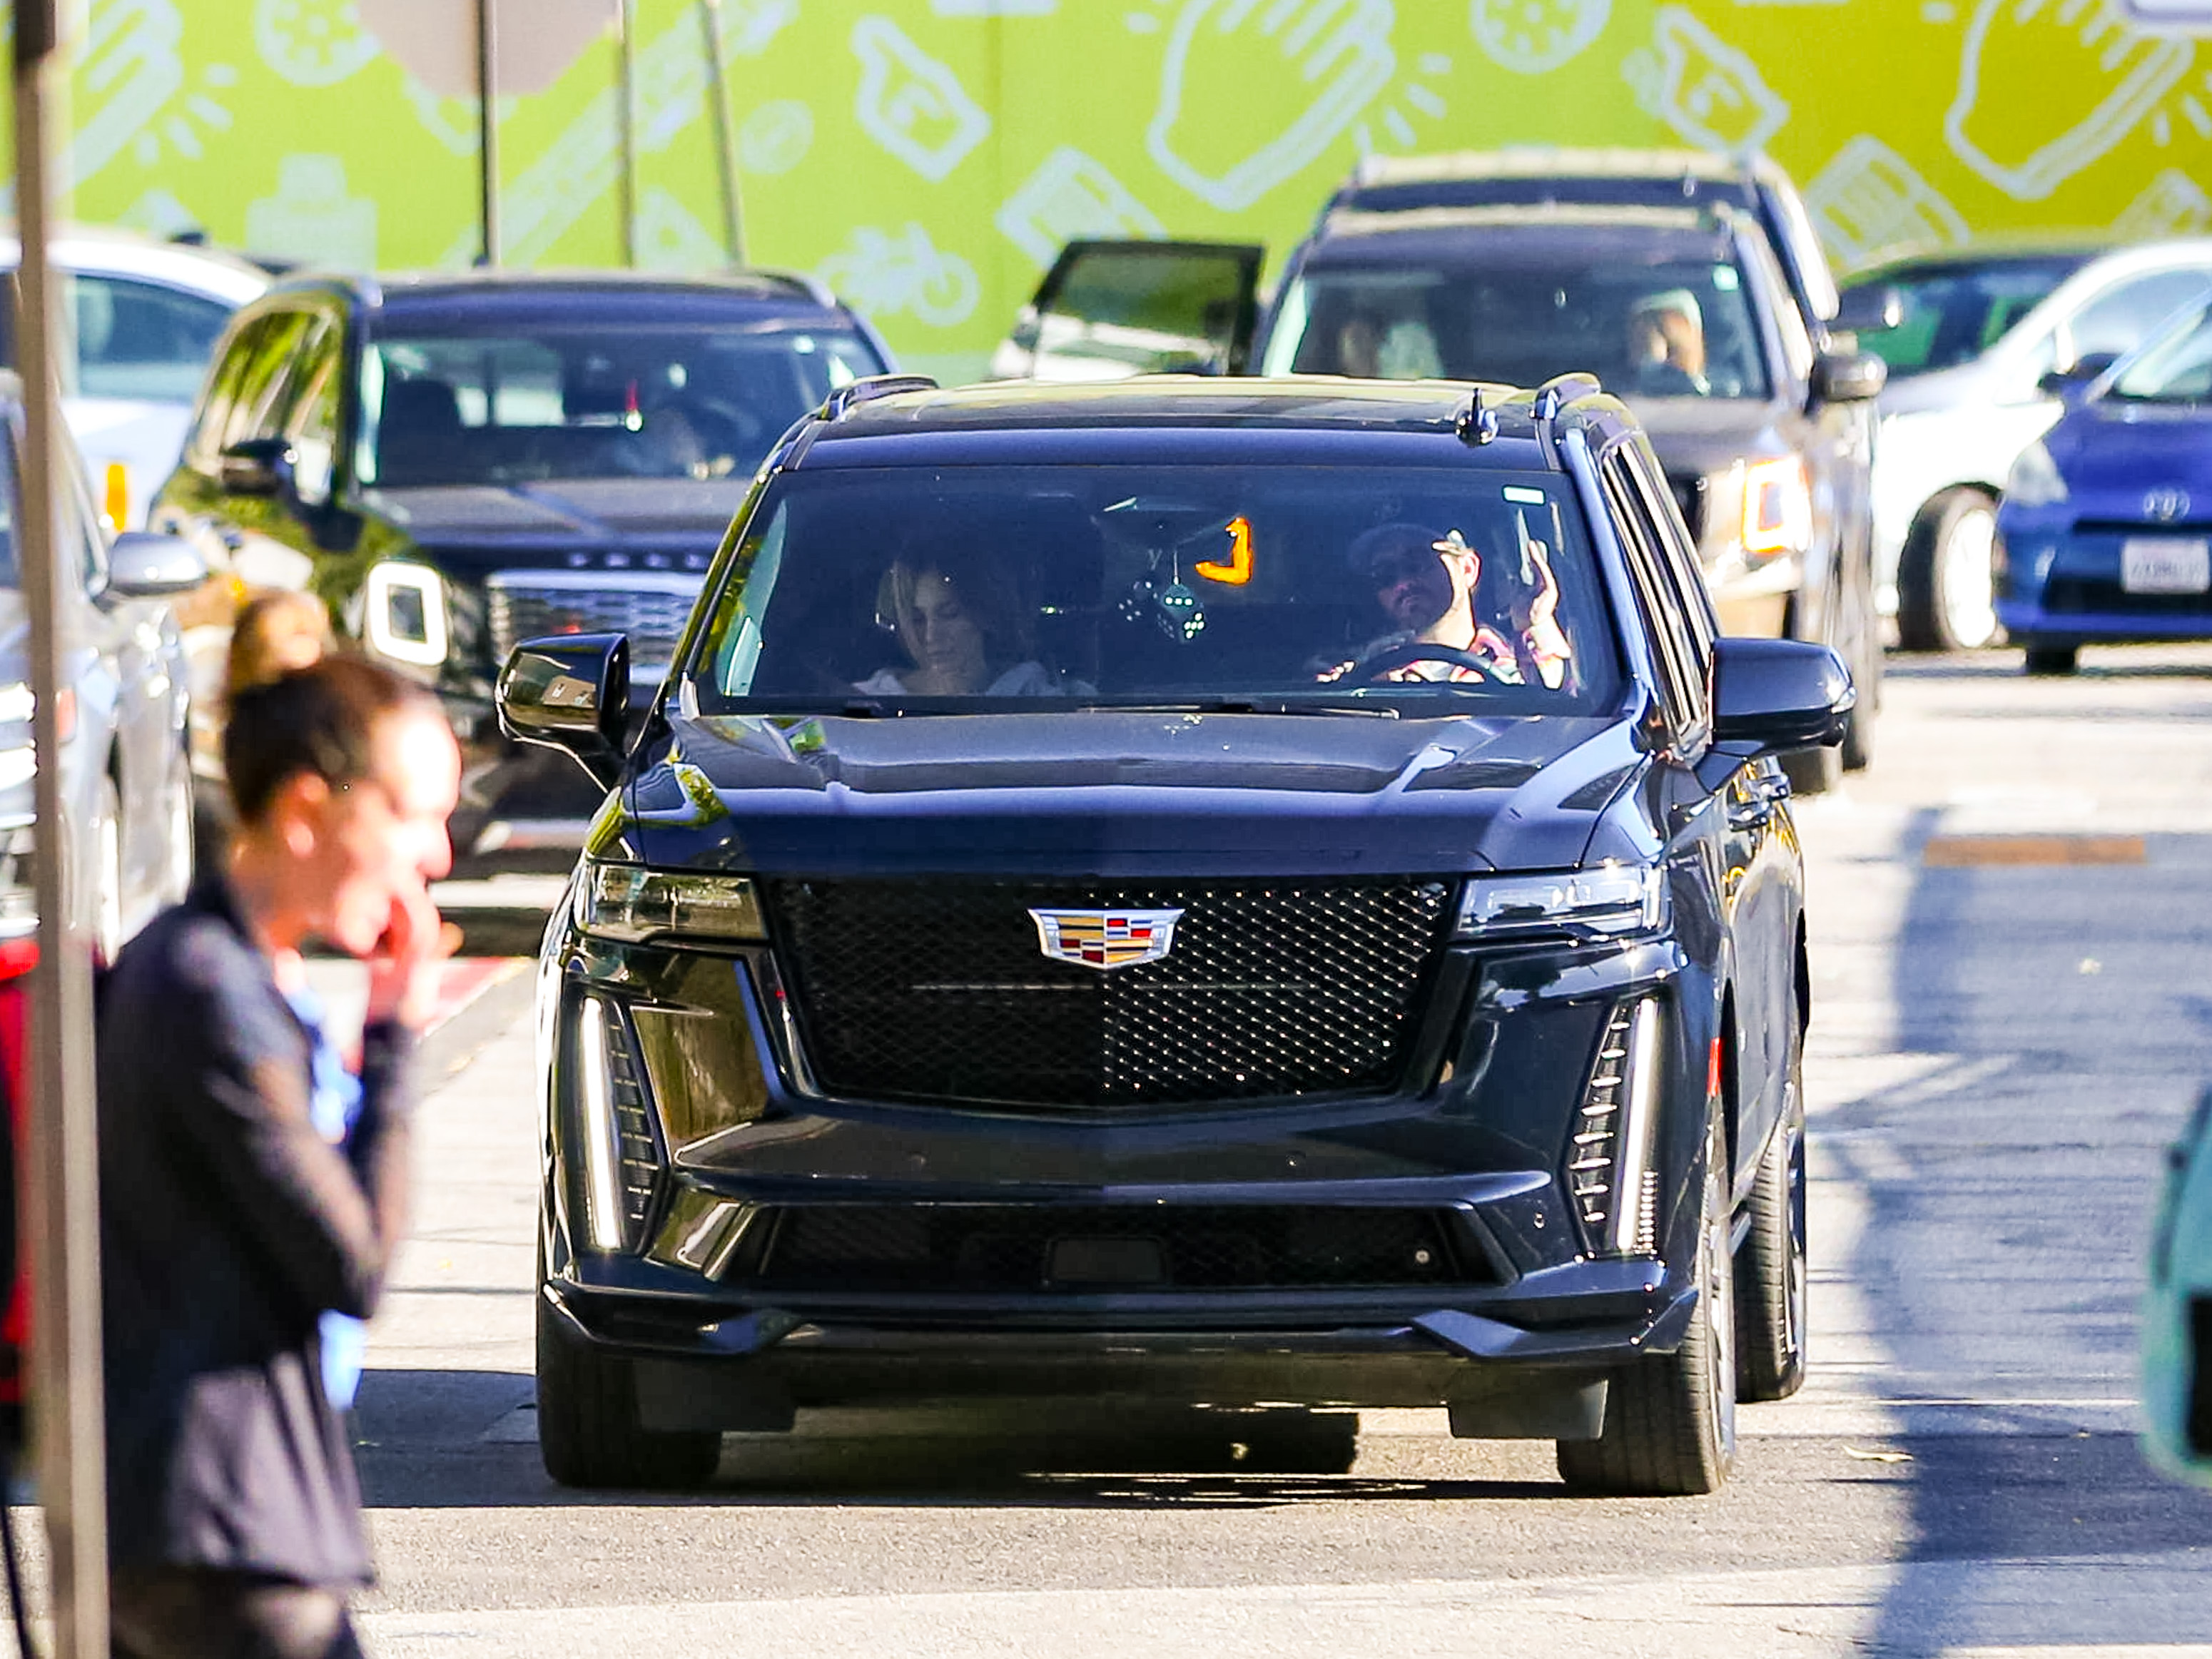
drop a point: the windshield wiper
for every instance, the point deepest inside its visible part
(1244, 706)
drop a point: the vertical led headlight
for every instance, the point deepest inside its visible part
(602, 1146)
(403, 613)
(1612, 1178)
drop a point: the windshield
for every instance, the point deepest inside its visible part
(1953, 313)
(514, 407)
(992, 587)
(1668, 329)
(2173, 368)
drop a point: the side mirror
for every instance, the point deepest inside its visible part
(572, 693)
(1848, 377)
(1771, 695)
(1868, 308)
(2078, 376)
(256, 466)
(142, 565)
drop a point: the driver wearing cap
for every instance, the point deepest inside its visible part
(1424, 580)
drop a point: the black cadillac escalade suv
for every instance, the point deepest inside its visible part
(1203, 890)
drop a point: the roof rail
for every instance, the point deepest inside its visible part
(1561, 389)
(794, 281)
(847, 399)
(1476, 425)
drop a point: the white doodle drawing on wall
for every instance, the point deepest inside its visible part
(669, 236)
(1869, 200)
(1707, 90)
(159, 213)
(1069, 196)
(1336, 54)
(912, 105)
(884, 272)
(1534, 37)
(776, 137)
(748, 26)
(129, 60)
(2072, 65)
(579, 166)
(312, 43)
(450, 121)
(2173, 205)
(1413, 97)
(311, 217)
(994, 8)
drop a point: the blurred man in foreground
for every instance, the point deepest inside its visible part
(230, 1224)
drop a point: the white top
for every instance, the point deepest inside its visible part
(1023, 679)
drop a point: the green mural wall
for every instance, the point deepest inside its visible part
(927, 155)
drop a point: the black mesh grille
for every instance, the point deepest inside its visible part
(652, 611)
(1027, 1248)
(941, 991)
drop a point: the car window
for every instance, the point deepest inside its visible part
(311, 428)
(2175, 367)
(139, 340)
(518, 405)
(1951, 314)
(1791, 219)
(1138, 309)
(1678, 557)
(980, 583)
(1683, 683)
(257, 406)
(2120, 319)
(221, 392)
(1788, 321)
(1665, 327)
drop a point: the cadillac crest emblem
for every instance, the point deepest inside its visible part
(1105, 938)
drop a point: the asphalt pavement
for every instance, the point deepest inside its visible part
(2006, 1035)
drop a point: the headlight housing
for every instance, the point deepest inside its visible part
(1607, 902)
(629, 902)
(2034, 480)
(1778, 507)
(403, 613)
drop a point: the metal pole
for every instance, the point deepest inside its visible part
(487, 129)
(726, 130)
(626, 114)
(61, 1190)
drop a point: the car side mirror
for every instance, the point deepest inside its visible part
(256, 466)
(1848, 377)
(144, 565)
(2078, 376)
(1773, 696)
(1869, 308)
(570, 692)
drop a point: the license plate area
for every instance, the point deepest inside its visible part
(2165, 565)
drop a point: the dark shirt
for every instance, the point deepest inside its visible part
(228, 1225)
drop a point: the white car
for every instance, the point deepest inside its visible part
(1985, 337)
(142, 318)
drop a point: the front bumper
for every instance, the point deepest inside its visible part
(2061, 582)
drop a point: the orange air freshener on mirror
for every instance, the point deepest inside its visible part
(1238, 570)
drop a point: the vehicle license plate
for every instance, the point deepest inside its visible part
(2165, 564)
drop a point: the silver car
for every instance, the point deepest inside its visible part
(1986, 342)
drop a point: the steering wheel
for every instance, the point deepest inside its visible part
(1376, 668)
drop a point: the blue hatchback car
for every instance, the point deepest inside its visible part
(2105, 532)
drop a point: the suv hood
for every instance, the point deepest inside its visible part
(684, 513)
(1115, 792)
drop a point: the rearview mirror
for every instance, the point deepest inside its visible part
(2078, 376)
(1772, 695)
(256, 466)
(1848, 377)
(144, 565)
(571, 693)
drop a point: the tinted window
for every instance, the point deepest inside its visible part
(256, 403)
(313, 425)
(1953, 313)
(1683, 674)
(980, 585)
(1135, 310)
(139, 340)
(2121, 318)
(518, 405)
(1655, 328)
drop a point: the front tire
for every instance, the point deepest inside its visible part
(1669, 1428)
(1771, 1274)
(588, 1433)
(1945, 594)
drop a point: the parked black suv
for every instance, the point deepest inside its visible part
(455, 463)
(1189, 889)
(1691, 286)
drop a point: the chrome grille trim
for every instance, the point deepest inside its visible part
(650, 606)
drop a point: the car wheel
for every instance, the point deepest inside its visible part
(107, 871)
(1669, 1428)
(1770, 1268)
(1946, 595)
(588, 1433)
(2053, 656)
(1859, 642)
